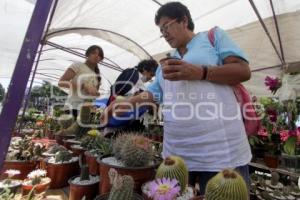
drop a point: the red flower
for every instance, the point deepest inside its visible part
(273, 83)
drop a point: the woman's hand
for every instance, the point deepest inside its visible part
(175, 70)
(90, 90)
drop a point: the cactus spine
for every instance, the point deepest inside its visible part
(84, 170)
(122, 186)
(226, 185)
(174, 167)
(133, 150)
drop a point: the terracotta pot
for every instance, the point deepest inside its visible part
(271, 161)
(92, 163)
(61, 173)
(105, 197)
(59, 138)
(38, 189)
(139, 174)
(25, 167)
(77, 192)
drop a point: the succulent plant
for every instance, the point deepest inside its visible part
(122, 186)
(117, 145)
(227, 185)
(136, 151)
(174, 167)
(275, 178)
(56, 148)
(63, 156)
(25, 149)
(6, 194)
(290, 144)
(84, 170)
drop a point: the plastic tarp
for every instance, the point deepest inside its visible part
(127, 32)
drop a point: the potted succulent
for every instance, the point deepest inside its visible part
(37, 179)
(96, 145)
(290, 156)
(23, 155)
(171, 182)
(132, 155)
(85, 185)
(9, 182)
(122, 188)
(62, 166)
(227, 184)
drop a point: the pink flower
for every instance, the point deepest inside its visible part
(273, 83)
(164, 189)
(284, 135)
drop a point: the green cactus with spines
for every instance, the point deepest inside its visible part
(174, 167)
(275, 178)
(84, 170)
(56, 148)
(63, 156)
(136, 151)
(118, 144)
(122, 186)
(227, 185)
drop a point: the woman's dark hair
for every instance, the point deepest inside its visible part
(174, 10)
(147, 65)
(90, 50)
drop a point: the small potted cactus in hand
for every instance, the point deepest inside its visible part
(9, 182)
(172, 170)
(85, 185)
(132, 155)
(227, 185)
(60, 167)
(122, 188)
(37, 179)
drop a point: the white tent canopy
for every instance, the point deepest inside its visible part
(127, 33)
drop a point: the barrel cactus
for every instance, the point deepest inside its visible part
(122, 186)
(135, 150)
(227, 185)
(85, 114)
(174, 167)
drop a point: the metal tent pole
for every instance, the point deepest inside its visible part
(17, 86)
(27, 97)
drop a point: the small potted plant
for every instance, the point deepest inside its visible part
(9, 182)
(132, 155)
(122, 188)
(37, 179)
(227, 184)
(61, 167)
(23, 155)
(84, 185)
(96, 145)
(171, 182)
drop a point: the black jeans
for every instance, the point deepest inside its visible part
(203, 177)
